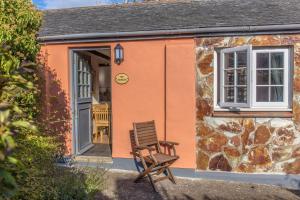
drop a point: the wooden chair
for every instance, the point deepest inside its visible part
(101, 118)
(154, 162)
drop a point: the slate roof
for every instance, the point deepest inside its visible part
(170, 16)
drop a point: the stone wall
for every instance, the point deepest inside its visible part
(245, 144)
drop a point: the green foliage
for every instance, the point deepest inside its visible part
(27, 169)
(19, 24)
(39, 178)
(8, 127)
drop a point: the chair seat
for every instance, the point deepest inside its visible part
(163, 158)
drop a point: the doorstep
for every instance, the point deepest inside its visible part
(93, 159)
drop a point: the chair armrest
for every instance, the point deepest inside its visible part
(170, 146)
(168, 143)
(150, 149)
(144, 147)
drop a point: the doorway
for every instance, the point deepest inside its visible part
(92, 101)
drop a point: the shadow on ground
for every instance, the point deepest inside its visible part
(121, 186)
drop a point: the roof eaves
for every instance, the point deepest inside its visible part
(175, 32)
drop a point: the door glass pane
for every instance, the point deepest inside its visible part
(79, 92)
(229, 60)
(89, 79)
(83, 66)
(229, 94)
(276, 77)
(277, 94)
(85, 91)
(277, 60)
(82, 91)
(241, 76)
(229, 77)
(262, 77)
(88, 91)
(83, 77)
(79, 64)
(241, 94)
(241, 59)
(262, 94)
(79, 78)
(262, 60)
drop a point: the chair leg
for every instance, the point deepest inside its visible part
(141, 175)
(152, 183)
(96, 133)
(170, 175)
(101, 136)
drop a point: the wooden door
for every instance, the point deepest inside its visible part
(83, 98)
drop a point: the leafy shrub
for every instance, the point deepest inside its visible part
(40, 178)
(27, 169)
(19, 24)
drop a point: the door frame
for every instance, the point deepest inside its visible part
(73, 84)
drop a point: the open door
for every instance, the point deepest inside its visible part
(83, 102)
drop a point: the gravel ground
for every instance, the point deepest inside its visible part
(120, 186)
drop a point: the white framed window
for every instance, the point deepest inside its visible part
(252, 79)
(270, 78)
(235, 77)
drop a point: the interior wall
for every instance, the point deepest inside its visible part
(101, 77)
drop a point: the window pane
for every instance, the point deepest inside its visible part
(262, 60)
(241, 76)
(229, 60)
(86, 78)
(229, 94)
(241, 59)
(241, 94)
(262, 94)
(87, 91)
(79, 78)
(277, 94)
(84, 91)
(89, 79)
(277, 77)
(262, 77)
(277, 60)
(79, 62)
(83, 66)
(83, 77)
(229, 77)
(79, 92)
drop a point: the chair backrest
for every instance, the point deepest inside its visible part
(101, 113)
(145, 134)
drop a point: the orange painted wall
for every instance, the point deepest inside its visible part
(142, 98)
(180, 101)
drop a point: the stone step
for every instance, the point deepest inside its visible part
(93, 159)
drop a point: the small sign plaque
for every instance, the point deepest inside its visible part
(122, 78)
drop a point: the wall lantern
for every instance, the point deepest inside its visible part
(119, 54)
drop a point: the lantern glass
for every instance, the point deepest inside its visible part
(119, 55)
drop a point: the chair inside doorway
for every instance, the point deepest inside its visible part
(101, 119)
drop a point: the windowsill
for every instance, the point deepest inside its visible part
(254, 113)
(253, 109)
